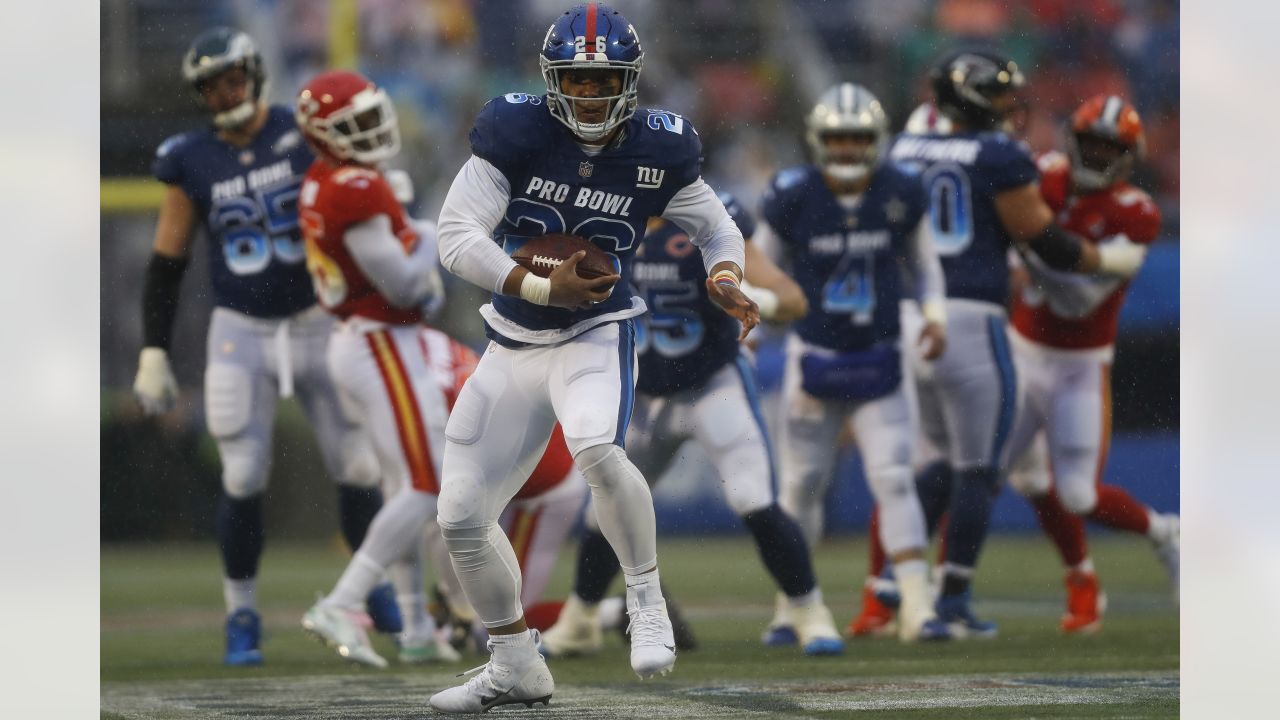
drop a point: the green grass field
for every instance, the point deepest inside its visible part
(161, 645)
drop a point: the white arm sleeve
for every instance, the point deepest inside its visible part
(472, 209)
(403, 279)
(697, 210)
(926, 268)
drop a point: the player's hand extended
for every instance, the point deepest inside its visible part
(932, 341)
(155, 387)
(577, 293)
(732, 300)
(1120, 256)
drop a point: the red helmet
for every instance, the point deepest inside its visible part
(1114, 122)
(346, 117)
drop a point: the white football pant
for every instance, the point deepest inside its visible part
(252, 362)
(808, 445)
(497, 433)
(1067, 395)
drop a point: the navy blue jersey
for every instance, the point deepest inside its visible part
(247, 199)
(847, 261)
(558, 188)
(962, 174)
(685, 338)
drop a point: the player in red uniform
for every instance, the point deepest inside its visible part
(1063, 333)
(376, 269)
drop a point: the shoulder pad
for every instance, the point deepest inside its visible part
(509, 128)
(172, 144)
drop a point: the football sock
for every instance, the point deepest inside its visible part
(970, 514)
(934, 486)
(240, 535)
(359, 577)
(1064, 528)
(407, 577)
(782, 548)
(876, 563)
(1118, 509)
(597, 567)
(956, 579)
(240, 594)
(809, 599)
(356, 508)
(645, 578)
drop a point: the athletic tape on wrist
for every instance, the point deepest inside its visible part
(536, 290)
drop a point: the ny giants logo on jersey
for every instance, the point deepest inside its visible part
(611, 203)
(255, 180)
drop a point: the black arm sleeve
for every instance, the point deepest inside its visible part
(160, 299)
(1056, 248)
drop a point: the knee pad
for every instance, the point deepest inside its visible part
(465, 542)
(1074, 470)
(1080, 498)
(1029, 482)
(606, 467)
(246, 463)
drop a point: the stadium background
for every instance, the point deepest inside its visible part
(745, 72)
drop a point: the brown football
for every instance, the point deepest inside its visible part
(543, 254)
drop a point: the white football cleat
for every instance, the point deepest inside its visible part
(653, 644)
(576, 632)
(512, 676)
(1165, 538)
(338, 628)
(817, 630)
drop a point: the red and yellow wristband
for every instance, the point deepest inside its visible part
(727, 278)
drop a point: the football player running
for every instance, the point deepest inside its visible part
(375, 269)
(844, 223)
(1064, 330)
(983, 199)
(580, 159)
(696, 383)
(240, 177)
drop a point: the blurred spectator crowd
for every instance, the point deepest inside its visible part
(745, 71)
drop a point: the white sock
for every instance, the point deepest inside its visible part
(360, 577)
(513, 647)
(809, 599)
(642, 578)
(1085, 566)
(240, 594)
(913, 584)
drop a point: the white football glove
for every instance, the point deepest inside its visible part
(401, 185)
(155, 387)
(1120, 256)
(434, 300)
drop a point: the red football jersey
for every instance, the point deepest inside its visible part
(1093, 217)
(453, 363)
(333, 198)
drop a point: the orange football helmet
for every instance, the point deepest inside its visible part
(1105, 141)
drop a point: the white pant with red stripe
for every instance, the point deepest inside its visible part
(1067, 395)
(384, 378)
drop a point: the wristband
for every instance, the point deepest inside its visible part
(727, 278)
(536, 290)
(934, 311)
